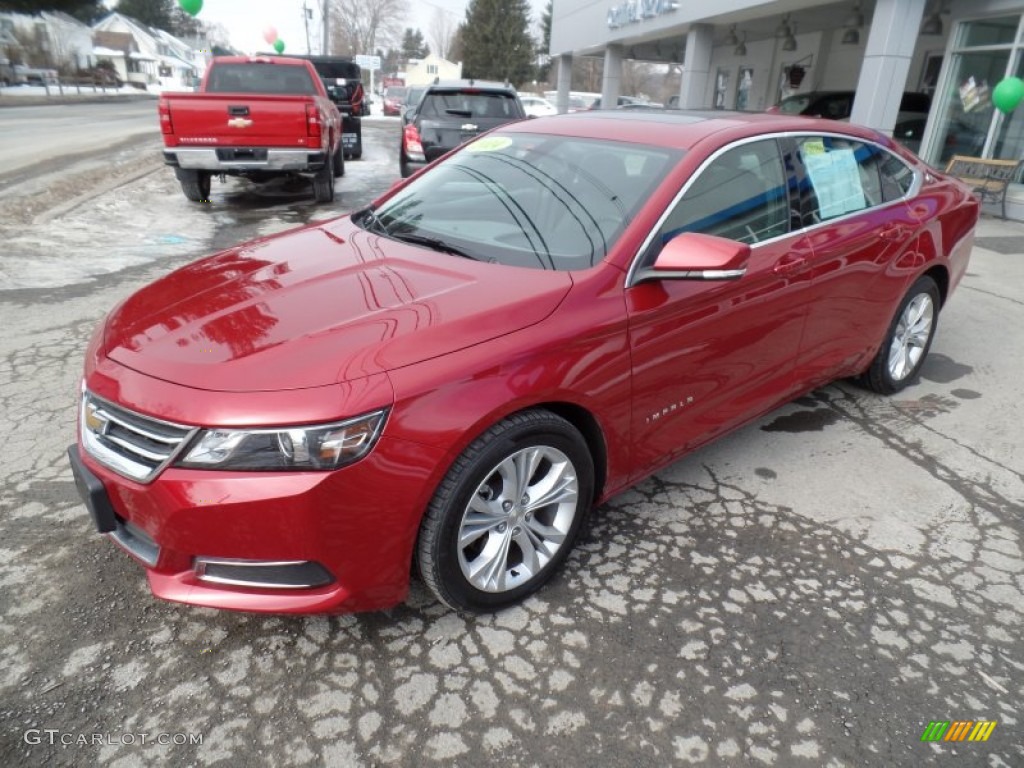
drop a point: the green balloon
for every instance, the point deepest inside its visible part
(1008, 93)
(279, 45)
(191, 7)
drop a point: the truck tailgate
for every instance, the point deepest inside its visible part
(245, 120)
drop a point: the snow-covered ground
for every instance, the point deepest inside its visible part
(26, 92)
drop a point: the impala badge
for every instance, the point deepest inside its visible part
(239, 122)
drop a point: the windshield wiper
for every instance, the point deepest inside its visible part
(371, 220)
(434, 243)
(460, 112)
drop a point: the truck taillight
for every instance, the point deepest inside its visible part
(313, 126)
(413, 144)
(166, 126)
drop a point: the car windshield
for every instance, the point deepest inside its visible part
(794, 105)
(470, 104)
(546, 202)
(394, 92)
(412, 98)
(259, 77)
(331, 70)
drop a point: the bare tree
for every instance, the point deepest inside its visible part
(641, 78)
(364, 26)
(442, 32)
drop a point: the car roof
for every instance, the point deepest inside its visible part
(683, 129)
(290, 61)
(459, 85)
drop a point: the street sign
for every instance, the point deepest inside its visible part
(368, 62)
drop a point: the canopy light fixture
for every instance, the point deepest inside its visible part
(856, 19)
(783, 29)
(741, 49)
(933, 24)
(789, 44)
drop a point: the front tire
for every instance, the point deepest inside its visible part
(506, 515)
(907, 341)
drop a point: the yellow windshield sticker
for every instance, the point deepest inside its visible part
(490, 144)
(813, 147)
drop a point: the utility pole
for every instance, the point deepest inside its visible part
(306, 14)
(326, 16)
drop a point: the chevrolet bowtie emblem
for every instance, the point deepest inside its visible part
(468, 127)
(239, 122)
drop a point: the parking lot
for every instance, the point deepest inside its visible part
(814, 589)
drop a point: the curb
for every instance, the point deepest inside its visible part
(59, 210)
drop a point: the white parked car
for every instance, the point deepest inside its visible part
(537, 106)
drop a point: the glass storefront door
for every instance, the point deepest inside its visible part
(984, 52)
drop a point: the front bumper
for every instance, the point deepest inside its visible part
(275, 542)
(242, 159)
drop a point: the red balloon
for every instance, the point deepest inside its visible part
(270, 35)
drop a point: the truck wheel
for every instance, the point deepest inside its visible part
(323, 182)
(357, 151)
(195, 185)
(339, 162)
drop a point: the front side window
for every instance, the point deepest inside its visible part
(741, 195)
(545, 202)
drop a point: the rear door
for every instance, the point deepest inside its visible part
(862, 232)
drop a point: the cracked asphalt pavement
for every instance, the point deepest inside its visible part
(812, 590)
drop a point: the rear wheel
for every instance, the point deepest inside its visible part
(506, 514)
(323, 182)
(907, 341)
(339, 162)
(195, 185)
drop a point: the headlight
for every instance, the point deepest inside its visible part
(321, 446)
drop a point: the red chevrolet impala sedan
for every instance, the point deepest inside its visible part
(456, 374)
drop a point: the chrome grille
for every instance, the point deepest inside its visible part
(131, 444)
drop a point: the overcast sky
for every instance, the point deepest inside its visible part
(245, 20)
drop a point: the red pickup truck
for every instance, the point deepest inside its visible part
(256, 117)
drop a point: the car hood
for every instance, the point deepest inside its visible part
(317, 306)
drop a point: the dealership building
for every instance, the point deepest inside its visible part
(750, 54)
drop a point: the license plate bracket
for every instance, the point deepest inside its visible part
(94, 494)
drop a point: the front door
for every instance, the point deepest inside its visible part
(709, 355)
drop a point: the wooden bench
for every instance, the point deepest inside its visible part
(989, 179)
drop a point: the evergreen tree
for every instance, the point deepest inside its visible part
(392, 62)
(153, 13)
(413, 45)
(544, 70)
(496, 41)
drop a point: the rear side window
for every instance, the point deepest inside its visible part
(260, 78)
(844, 176)
(470, 104)
(741, 195)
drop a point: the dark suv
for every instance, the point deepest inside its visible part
(837, 105)
(343, 80)
(451, 113)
